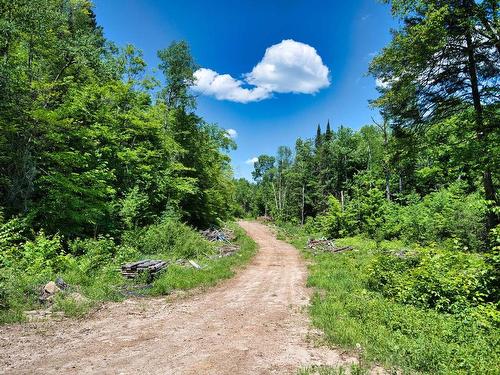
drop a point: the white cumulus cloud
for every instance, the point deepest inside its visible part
(288, 66)
(252, 161)
(231, 133)
(225, 87)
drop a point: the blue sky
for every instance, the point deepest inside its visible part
(231, 37)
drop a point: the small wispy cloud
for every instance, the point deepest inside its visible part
(252, 161)
(385, 84)
(231, 133)
(287, 67)
(365, 17)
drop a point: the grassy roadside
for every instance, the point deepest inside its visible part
(398, 336)
(214, 270)
(95, 277)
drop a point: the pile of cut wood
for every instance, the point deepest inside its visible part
(228, 249)
(323, 244)
(152, 267)
(224, 234)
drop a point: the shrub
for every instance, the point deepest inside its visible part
(25, 268)
(331, 222)
(171, 238)
(448, 216)
(94, 254)
(132, 208)
(445, 280)
(367, 212)
(12, 235)
(444, 215)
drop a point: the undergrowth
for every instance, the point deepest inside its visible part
(355, 310)
(91, 267)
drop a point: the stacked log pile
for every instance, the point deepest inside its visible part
(224, 236)
(152, 267)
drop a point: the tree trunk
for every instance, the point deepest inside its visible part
(275, 197)
(303, 204)
(387, 170)
(489, 188)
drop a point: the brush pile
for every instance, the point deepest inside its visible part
(325, 245)
(222, 235)
(228, 249)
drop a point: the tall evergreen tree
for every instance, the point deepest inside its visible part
(319, 137)
(328, 132)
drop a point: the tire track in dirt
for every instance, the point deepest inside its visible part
(255, 323)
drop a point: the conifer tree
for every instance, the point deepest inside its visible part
(318, 139)
(328, 133)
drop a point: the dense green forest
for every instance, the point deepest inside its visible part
(89, 144)
(93, 149)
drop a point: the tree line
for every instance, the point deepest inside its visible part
(90, 144)
(428, 170)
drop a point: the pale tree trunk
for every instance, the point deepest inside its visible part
(387, 170)
(275, 197)
(303, 204)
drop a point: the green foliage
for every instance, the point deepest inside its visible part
(400, 336)
(420, 187)
(447, 215)
(24, 268)
(178, 67)
(92, 267)
(448, 281)
(214, 270)
(246, 201)
(173, 240)
(93, 254)
(84, 149)
(132, 208)
(331, 222)
(71, 305)
(366, 212)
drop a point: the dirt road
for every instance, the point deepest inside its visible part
(255, 323)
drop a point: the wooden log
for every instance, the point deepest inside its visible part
(340, 249)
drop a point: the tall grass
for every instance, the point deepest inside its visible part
(92, 268)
